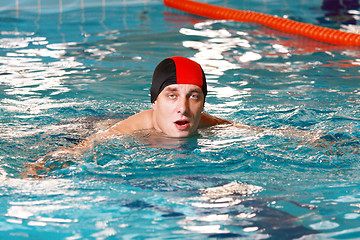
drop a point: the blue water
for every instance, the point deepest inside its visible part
(67, 72)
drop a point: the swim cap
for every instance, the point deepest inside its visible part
(177, 70)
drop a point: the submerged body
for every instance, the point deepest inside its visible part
(178, 94)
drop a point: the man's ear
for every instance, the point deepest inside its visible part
(153, 105)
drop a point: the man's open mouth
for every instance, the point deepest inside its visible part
(182, 125)
(182, 122)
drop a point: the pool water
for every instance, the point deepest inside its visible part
(69, 71)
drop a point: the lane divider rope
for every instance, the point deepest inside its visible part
(319, 33)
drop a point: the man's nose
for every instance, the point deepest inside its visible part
(183, 105)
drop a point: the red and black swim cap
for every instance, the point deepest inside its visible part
(177, 70)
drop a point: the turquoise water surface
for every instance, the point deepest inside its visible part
(68, 70)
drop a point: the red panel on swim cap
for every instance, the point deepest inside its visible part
(188, 71)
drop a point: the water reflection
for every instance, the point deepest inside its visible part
(222, 47)
(210, 52)
(27, 72)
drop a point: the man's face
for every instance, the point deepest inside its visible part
(177, 110)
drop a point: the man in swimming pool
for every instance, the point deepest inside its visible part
(178, 92)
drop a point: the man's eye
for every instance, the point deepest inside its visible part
(172, 96)
(194, 96)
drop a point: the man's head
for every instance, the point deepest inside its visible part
(178, 94)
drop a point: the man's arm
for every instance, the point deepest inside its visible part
(139, 121)
(207, 120)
